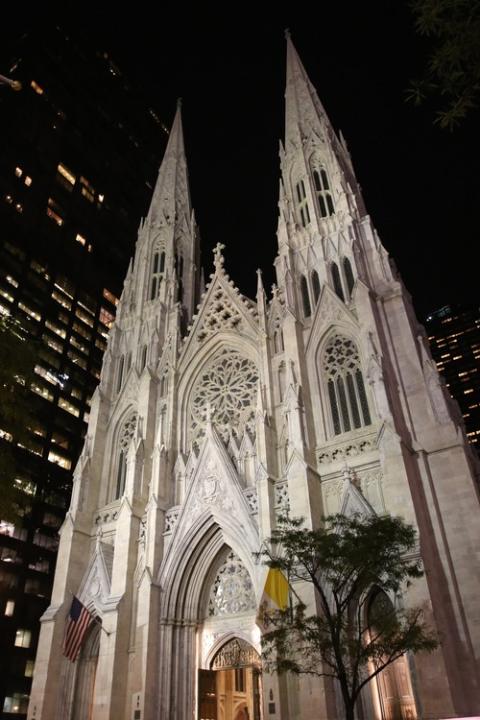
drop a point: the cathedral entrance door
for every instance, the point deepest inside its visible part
(231, 689)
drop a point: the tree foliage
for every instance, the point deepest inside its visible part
(17, 358)
(453, 66)
(354, 565)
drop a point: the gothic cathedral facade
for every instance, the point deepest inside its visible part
(214, 414)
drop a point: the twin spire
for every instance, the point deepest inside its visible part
(305, 119)
(304, 113)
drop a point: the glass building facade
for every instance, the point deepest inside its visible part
(80, 149)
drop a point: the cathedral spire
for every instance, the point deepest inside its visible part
(167, 256)
(171, 197)
(303, 110)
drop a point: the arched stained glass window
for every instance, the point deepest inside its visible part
(323, 192)
(125, 437)
(346, 388)
(349, 277)
(307, 308)
(337, 281)
(315, 286)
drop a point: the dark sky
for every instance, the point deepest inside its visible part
(228, 65)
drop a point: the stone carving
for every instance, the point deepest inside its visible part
(227, 389)
(171, 517)
(232, 590)
(346, 449)
(282, 501)
(252, 499)
(371, 486)
(142, 531)
(127, 432)
(332, 494)
(221, 314)
(234, 654)
(107, 515)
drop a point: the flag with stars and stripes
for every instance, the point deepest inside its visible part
(78, 621)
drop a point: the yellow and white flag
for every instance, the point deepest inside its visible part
(275, 597)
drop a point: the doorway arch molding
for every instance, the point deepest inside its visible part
(182, 578)
(226, 638)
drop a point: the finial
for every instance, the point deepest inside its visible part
(349, 475)
(274, 290)
(218, 258)
(259, 280)
(287, 34)
(179, 103)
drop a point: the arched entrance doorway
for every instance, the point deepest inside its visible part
(85, 674)
(230, 689)
(394, 689)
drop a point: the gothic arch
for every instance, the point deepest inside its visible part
(182, 580)
(85, 672)
(342, 378)
(110, 468)
(191, 373)
(189, 561)
(331, 316)
(225, 638)
(392, 691)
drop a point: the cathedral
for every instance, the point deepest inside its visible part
(214, 414)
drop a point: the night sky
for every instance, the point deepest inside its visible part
(228, 65)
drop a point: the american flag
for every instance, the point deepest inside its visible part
(78, 621)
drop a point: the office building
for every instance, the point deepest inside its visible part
(80, 153)
(454, 336)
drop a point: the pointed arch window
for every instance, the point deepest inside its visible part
(125, 437)
(337, 281)
(158, 266)
(121, 365)
(349, 277)
(143, 357)
(179, 269)
(307, 308)
(303, 203)
(323, 192)
(346, 388)
(315, 286)
(278, 341)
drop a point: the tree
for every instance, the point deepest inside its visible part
(453, 66)
(354, 565)
(17, 358)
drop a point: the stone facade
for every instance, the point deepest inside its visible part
(214, 414)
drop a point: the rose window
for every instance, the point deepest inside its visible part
(227, 390)
(232, 590)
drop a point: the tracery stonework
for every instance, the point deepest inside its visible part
(127, 433)
(227, 389)
(232, 590)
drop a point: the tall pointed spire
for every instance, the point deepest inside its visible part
(171, 197)
(303, 109)
(168, 252)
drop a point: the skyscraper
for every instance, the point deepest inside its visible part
(454, 336)
(213, 418)
(79, 154)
